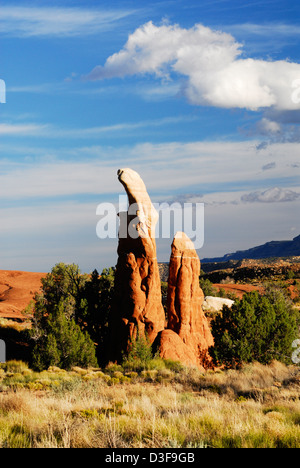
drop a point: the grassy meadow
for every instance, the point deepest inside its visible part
(161, 406)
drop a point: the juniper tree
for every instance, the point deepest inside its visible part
(59, 339)
(256, 328)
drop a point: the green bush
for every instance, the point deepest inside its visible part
(139, 354)
(63, 344)
(256, 328)
(70, 323)
(95, 309)
(208, 287)
(59, 340)
(14, 366)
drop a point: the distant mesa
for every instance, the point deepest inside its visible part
(269, 250)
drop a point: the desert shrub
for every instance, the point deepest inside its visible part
(63, 284)
(139, 353)
(14, 366)
(164, 296)
(71, 314)
(59, 340)
(62, 343)
(256, 328)
(207, 287)
(290, 274)
(140, 348)
(95, 309)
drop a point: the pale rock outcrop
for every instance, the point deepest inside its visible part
(139, 201)
(215, 304)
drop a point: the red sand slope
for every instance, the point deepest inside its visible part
(17, 288)
(238, 289)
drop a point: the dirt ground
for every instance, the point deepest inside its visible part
(238, 289)
(17, 288)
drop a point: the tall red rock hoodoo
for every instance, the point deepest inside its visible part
(138, 306)
(184, 304)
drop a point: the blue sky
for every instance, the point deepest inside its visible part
(202, 98)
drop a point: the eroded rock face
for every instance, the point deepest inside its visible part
(185, 298)
(170, 346)
(138, 309)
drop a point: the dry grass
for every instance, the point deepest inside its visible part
(258, 406)
(14, 325)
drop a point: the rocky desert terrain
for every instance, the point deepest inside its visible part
(251, 270)
(17, 288)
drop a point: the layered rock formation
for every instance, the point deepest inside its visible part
(138, 309)
(288, 248)
(185, 298)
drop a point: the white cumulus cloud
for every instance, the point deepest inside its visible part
(216, 72)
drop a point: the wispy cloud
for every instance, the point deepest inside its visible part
(266, 30)
(122, 127)
(44, 88)
(22, 129)
(39, 195)
(167, 169)
(275, 127)
(51, 131)
(272, 195)
(57, 21)
(269, 166)
(53, 179)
